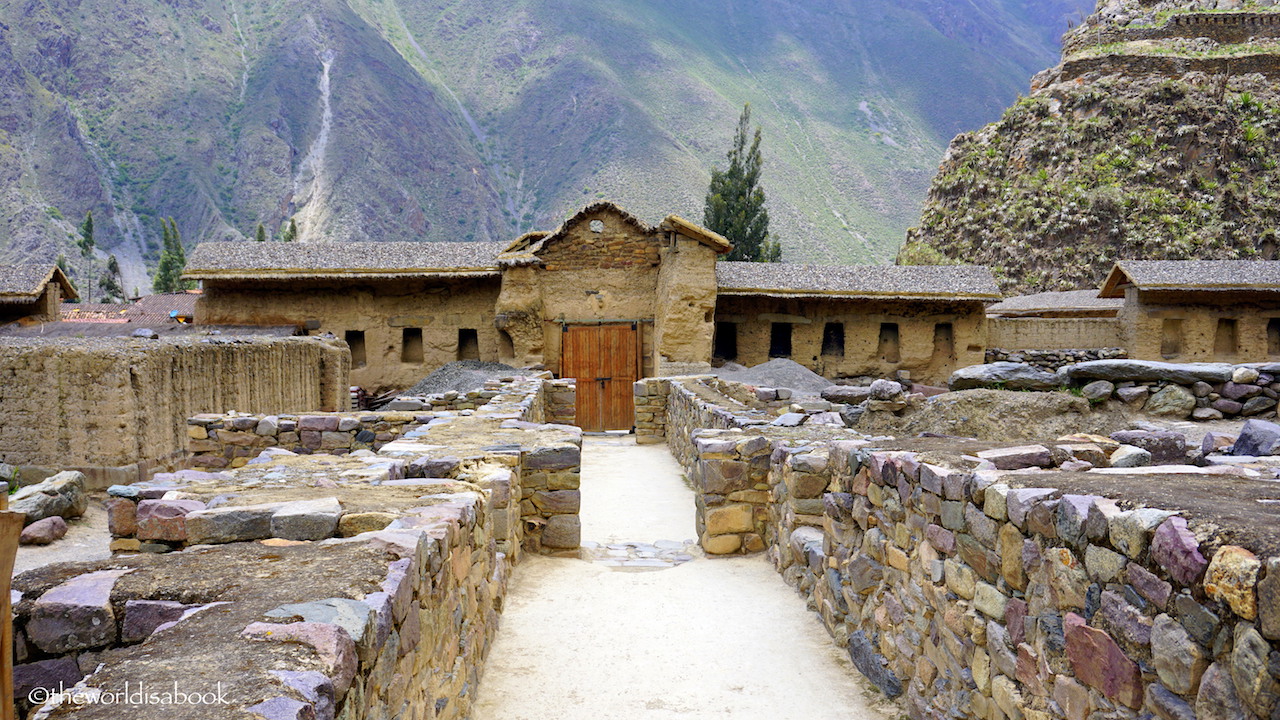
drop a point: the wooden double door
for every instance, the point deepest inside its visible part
(605, 360)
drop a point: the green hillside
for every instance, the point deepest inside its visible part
(477, 120)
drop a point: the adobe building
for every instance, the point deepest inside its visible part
(605, 298)
(33, 292)
(1198, 311)
(851, 321)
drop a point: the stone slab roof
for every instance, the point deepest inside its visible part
(24, 283)
(1193, 275)
(378, 260)
(1070, 302)
(923, 282)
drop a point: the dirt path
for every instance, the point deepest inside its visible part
(664, 638)
(87, 538)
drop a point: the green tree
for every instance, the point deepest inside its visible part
(112, 283)
(173, 259)
(735, 201)
(290, 233)
(262, 233)
(85, 241)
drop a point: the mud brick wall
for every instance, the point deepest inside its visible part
(124, 403)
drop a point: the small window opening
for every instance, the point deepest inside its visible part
(411, 345)
(833, 339)
(780, 340)
(1171, 337)
(597, 226)
(944, 341)
(1226, 341)
(355, 341)
(468, 344)
(725, 343)
(506, 347)
(889, 348)
(1273, 336)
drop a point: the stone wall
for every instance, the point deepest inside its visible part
(1169, 66)
(1053, 359)
(1225, 28)
(1053, 333)
(974, 592)
(507, 429)
(360, 585)
(117, 408)
(401, 631)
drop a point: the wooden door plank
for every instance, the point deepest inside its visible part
(10, 528)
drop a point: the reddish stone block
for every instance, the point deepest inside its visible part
(1099, 662)
(122, 517)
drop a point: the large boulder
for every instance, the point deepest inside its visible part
(1149, 371)
(62, 495)
(1257, 437)
(1005, 375)
(1171, 401)
(847, 394)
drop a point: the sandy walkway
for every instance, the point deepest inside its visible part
(705, 639)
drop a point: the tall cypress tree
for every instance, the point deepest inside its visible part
(173, 259)
(735, 201)
(261, 235)
(86, 241)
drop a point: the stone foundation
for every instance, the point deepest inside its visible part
(1053, 359)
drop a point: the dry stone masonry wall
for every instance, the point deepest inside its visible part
(975, 580)
(354, 585)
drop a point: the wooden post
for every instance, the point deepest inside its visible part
(11, 523)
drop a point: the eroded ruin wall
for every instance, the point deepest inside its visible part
(115, 403)
(1173, 327)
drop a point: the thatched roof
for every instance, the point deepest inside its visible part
(908, 282)
(1070, 303)
(24, 283)
(1193, 276)
(524, 251)
(713, 240)
(357, 260)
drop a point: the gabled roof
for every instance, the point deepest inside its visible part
(24, 283)
(1069, 302)
(713, 240)
(365, 260)
(525, 249)
(924, 282)
(1193, 275)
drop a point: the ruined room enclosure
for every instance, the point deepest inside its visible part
(954, 574)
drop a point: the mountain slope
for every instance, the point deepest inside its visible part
(477, 120)
(1157, 137)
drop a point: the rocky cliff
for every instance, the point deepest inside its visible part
(1156, 137)
(478, 120)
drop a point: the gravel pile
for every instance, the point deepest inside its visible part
(777, 373)
(461, 376)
